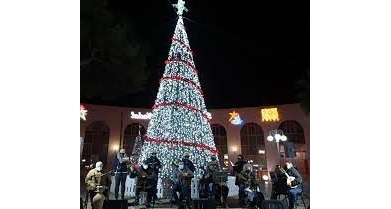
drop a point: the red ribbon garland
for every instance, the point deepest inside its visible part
(184, 80)
(181, 105)
(184, 61)
(182, 43)
(178, 143)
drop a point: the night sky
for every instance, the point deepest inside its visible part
(246, 54)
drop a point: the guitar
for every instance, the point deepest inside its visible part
(289, 179)
(248, 181)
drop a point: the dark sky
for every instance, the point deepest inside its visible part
(247, 53)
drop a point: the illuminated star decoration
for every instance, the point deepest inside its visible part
(235, 118)
(233, 115)
(83, 112)
(180, 6)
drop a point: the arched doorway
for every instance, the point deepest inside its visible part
(96, 143)
(295, 134)
(130, 133)
(252, 140)
(220, 139)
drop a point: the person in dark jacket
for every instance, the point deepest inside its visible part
(294, 182)
(120, 171)
(154, 163)
(237, 168)
(187, 162)
(146, 182)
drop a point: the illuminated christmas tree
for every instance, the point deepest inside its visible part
(180, 121)
(136, 152)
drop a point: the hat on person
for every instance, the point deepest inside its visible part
(98, 164)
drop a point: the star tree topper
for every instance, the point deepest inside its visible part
(180, 6)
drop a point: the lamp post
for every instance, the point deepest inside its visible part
(277, 135)
(261, 158)
(234, 149)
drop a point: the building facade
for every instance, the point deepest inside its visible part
(105, 129)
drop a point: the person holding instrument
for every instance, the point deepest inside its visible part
(155, 164)
(185, 176)
(237, 168)
(121, 171)
(248, 179)
(97, 185)
(145, 184)
(294, 182)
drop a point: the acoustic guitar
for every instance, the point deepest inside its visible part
(289, 179)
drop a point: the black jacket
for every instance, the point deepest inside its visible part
(237, 168)
(119, 164)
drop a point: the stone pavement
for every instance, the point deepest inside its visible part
(232, 201)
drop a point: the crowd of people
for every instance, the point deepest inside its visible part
(212, 183)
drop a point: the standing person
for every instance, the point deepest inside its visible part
(145, 183)
(237, 168)
(120, 171)
(176, 186)
(97, 185)
(154, 163)
(187, 162)
(294, 182)
(185, 176)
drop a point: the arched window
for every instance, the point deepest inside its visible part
(220, 139)
(252, 140)
(294, 133)
(130, 134)
(96, 142)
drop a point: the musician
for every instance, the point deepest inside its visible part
(187, 162)
(97, 185)
(248, 180)
(212, 167)
(154, 163)
(294, 182)
(279, 183)
(185, 177)
(146, 178)
(237, 168)
(175, 182)
(120, 171)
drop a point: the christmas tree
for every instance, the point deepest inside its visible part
(136, 152)
(180, 121)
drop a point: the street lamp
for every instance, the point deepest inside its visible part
(234, 149)
(277, 135)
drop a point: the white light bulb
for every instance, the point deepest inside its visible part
(277, 136)
(270, 138)
(283, 138)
